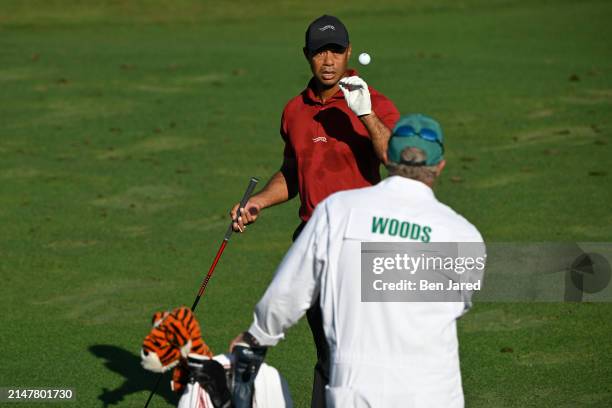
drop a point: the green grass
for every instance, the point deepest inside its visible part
(127, 129)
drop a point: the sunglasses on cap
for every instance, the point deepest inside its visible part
(425, 133)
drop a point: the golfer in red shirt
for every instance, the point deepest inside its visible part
(336, 133)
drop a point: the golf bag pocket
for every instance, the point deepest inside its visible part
(194, 396)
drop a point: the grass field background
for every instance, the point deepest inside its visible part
(128, 129)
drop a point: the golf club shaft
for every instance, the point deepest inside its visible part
(154, 390)
(226, 238)
(209, 274)
(245, 198)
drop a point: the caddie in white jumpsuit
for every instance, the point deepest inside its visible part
(383, 354)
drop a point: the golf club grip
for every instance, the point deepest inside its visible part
(245, 199)
(247, 194)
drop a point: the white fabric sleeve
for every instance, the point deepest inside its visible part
(472, 246)
(296, 283)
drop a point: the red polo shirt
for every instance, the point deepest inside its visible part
(331, 146)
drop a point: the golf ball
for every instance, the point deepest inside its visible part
(364, 58)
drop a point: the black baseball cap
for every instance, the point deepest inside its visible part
(326, 30)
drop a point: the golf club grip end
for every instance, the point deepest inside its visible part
(247, 194)
(245, 198)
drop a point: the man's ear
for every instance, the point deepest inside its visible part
(440, 166)
(350, 50)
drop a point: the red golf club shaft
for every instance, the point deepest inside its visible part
(228, 234)
(209, 274)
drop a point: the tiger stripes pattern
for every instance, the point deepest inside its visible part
(174, 335)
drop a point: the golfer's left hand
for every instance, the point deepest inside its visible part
(357, 95)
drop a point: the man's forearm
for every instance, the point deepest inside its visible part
(277, 190)
(379, 134)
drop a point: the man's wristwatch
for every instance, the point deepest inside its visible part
(250, 339)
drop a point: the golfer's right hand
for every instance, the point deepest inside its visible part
(247, 215)
(356, 94)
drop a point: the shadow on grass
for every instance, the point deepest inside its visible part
(136, 378)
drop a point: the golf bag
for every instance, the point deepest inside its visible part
(212, 383)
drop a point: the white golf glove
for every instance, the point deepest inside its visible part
(357, 95)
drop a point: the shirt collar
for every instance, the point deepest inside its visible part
(405, 185)
(310, 94)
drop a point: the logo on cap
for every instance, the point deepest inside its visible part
(327, 27)
(326, 30)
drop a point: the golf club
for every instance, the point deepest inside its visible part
(245, 198)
